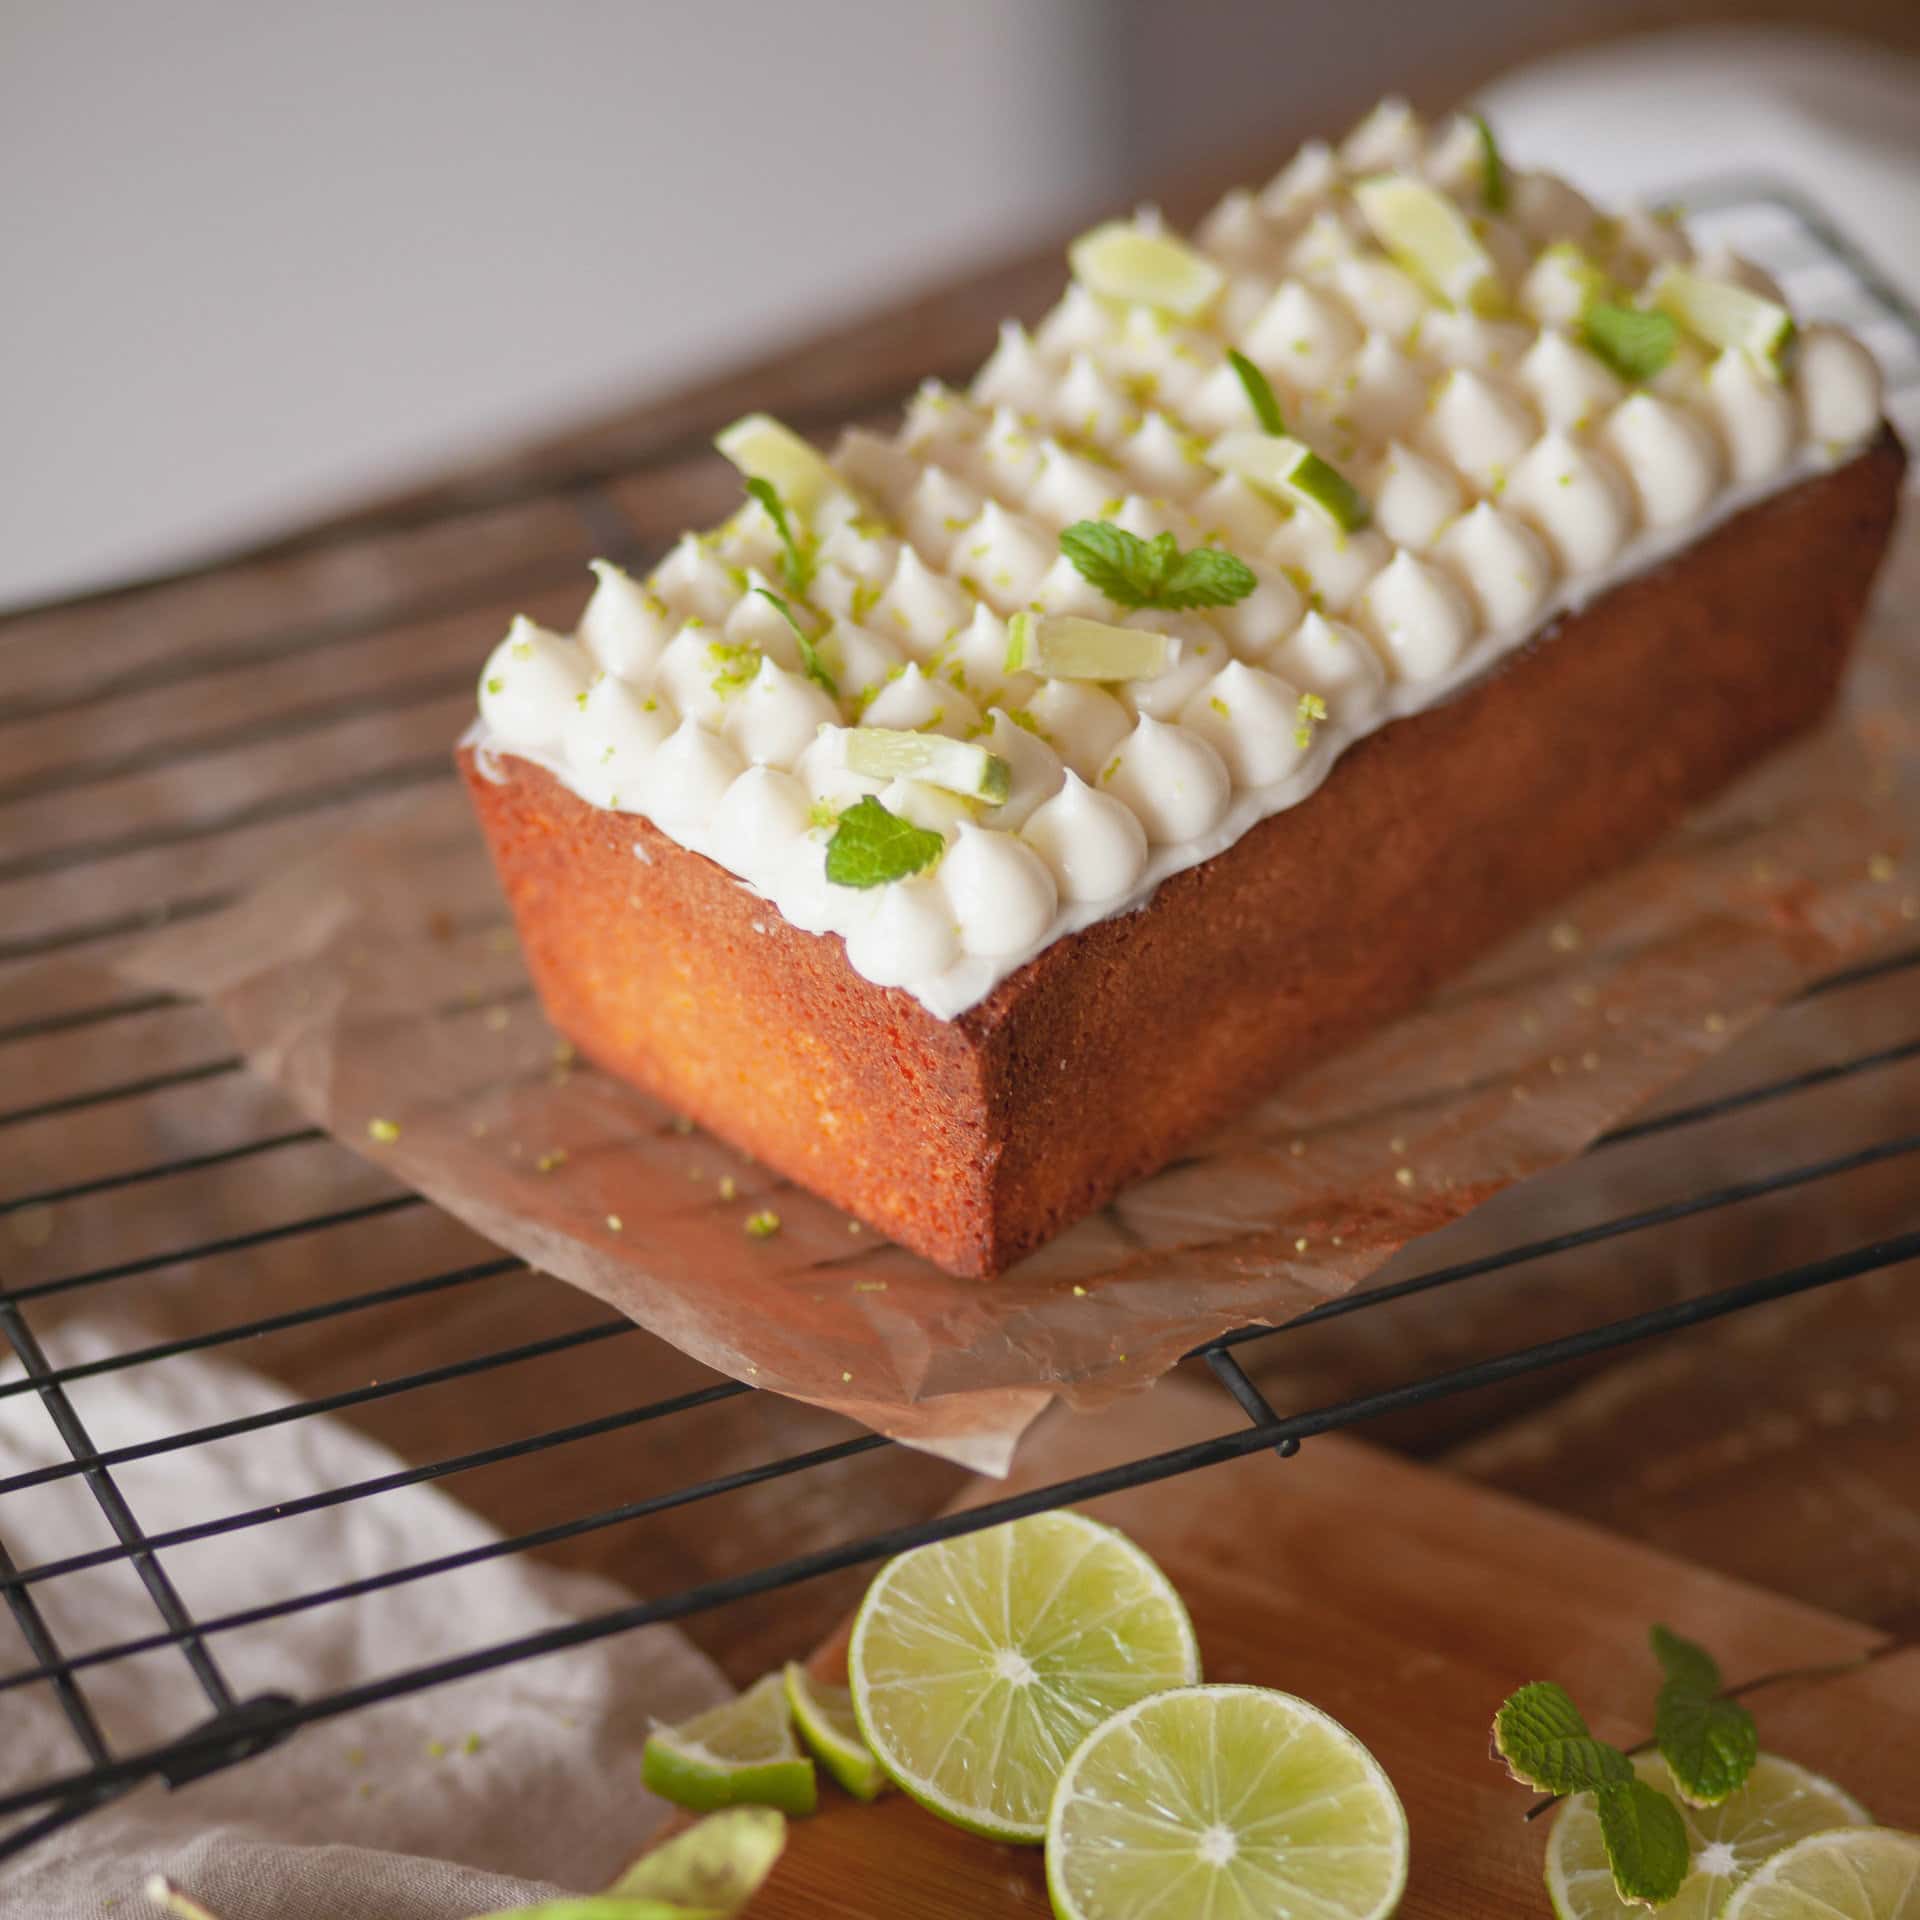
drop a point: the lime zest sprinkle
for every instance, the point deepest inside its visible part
(384, 1131)
(1310, 712)
(762, 1225)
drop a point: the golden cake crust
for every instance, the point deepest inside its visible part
(974, 1140)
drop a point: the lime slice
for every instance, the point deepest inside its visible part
(1126, 262)
(716, 1866)
(763, 449)
(979, 1664)
(1779, 1804)
(1725, 315)
(824, 1715)
(1429, 236)
(1293, 470)
(886, 753)
(1866, 1873)
(1063, 646)
(742, 1753)
(1218, 1801)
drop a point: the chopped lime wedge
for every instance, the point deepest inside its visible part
(1126, 262)
(1429, 236)
(1293, 470)
(715, 1867)
(1779, 1804)
(763, 449)
(1063, 646)
(1871, 1873)
(742, 1753)
(980, 1663)
(824, 1715)
(1209, 1801)
(1725, 315)
(885, 753)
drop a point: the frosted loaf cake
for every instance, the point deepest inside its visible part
(982, 810)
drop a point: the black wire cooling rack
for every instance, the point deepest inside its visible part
(1827, 276)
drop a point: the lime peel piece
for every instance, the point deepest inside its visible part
(1726, 315)
(716, 1866)
(1429, 236)
(741, 1753)
(765, 449)
(824, 1714)
(1281, 465)
(1065, 646)
(958, 766)
(1122, 261)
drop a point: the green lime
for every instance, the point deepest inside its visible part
(1779, 1804)
(763, 449)
(1859, 1873)
(742, 1753)
(1127, 262)
(1293, 470)
(1725, 315)
(979, 1664)
(824, 1715)
(1429, 236)
(1224, 1803)
(1063, 646)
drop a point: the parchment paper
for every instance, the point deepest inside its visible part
(380, 987)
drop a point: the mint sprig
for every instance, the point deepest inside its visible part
(1259, 391)
(796, 558)
(872, 847)
(1493, 169)
(1646, 1842)
(1546, 1744)
(810, 660)
(1636, 342)
(1709, 1744)
(1133, 572)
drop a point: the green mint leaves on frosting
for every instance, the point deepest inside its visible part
(1709, 1744)
(1133, 572)
(1636, 342)
(816, 669)
(871, 847)
(1259, 390)
(796, 557)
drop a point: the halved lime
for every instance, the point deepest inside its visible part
(1862, 1873)
(1128, 262)
(1779, 1804)
(1293, 470)
(980, 1664)
(716, 1866)
(887, 753)
(763, 449)
(1210, 1802)
(1063, 646)
(1429, 236)
(824, 1715)
(1725, 315)
(742, 1753)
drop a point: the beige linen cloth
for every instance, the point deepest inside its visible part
(492, 1792)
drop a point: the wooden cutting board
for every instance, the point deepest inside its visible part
(1407, 1603)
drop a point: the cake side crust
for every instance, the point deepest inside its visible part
(973, 1141)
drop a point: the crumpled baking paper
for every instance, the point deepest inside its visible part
(380, 987)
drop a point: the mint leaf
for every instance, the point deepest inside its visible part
(1266, 409)
(1133, 572)
(1493, 170)
(1539, 1733)
(1646, 1841)
(1683, 1662)
(1636, 342)
(796, 559)
(1709, 1744)
(871, 847)
(810, 660)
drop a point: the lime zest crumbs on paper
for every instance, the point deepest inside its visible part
(384, 1131)
(762, 1225)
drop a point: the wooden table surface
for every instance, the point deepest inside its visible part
(165, 746)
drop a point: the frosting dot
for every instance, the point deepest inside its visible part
(1421, 620)
(1576, 498)
(1251, 719)
(1172, 779)
(624, 627)
(907, 937)
(759, 818)
(1838, 382)
(687, 777)
(1094, 846)
(1001, 893)
(1672, 460)
(773, 722)
(531, 684)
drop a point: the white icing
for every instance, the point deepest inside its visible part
(1511, 475)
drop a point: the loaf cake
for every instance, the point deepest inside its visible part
(985, 810)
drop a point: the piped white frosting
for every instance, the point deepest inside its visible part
(1512, 476)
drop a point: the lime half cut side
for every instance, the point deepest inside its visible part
(1225, 1803)
(1779, 1804)
(979, 1664)
(740, 1754)
(1865, 1873)
(824, 1715)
